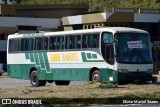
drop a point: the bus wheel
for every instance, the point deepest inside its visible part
(35, 80)
(50, 81)
(95, 76)
(62, 82)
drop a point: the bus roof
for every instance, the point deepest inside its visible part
(95, 30)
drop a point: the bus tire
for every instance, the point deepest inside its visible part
(62, 82)
(34, 79)
(95, 76)
(0, 74)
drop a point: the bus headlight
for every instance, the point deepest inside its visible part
(123, 70)
(149, 71)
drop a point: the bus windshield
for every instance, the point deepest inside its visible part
(133, 48)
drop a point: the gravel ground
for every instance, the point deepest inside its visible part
(25, 90)
(7, 82)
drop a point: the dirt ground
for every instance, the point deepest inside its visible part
(80, 91)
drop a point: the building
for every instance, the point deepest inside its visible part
(146, 19)
(32, 18)
(50, 11)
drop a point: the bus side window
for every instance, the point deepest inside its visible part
(38, 43)
(30, 44)
(77, 42)
(61, 42)
(84, 45)
(11, 46)
(52, 43)
(69, 42)
(45, 43)
(24, 44)
(94, 40)
(14, 45)
(86, 41)
(58, 43)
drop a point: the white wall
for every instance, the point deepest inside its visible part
(147, 18)
(19, 21)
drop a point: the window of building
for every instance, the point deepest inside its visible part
(85, 27)
(92, 26)
(89, 26)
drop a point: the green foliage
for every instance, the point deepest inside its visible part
(102, 5)
(53, 1)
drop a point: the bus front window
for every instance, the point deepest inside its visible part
(133, 48)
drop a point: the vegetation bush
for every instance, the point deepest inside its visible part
(102, 5)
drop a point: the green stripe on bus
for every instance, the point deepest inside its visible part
(32, 57)
(36, 58)
(60, 73)
(41, 60)
(46, 61)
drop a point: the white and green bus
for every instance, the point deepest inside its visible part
(107, 54)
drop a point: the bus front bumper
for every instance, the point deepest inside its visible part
(134, 76)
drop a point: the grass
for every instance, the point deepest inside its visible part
(84, 94)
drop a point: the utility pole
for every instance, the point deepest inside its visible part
(90, 5)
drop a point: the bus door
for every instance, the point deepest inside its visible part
(107, 51)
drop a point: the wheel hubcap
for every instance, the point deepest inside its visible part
(96, 78)
(34, 79)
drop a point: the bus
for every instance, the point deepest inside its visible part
(108, 54)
